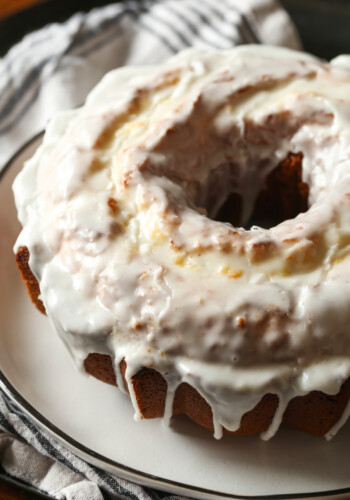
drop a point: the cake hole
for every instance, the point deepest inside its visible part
(284, 196)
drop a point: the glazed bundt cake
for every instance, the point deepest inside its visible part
(187, 231)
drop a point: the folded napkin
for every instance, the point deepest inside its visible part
(53, 69)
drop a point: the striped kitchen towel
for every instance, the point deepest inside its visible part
(54, 69)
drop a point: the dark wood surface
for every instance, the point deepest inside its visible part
(11, 489)
(9, 492)
(8, 7)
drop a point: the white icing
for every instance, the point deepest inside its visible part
(277, 418)
(151, 279)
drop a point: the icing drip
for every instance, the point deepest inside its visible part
(277, 418)
(117, 209)
(169, 402)
(131, 390)
(218, 428)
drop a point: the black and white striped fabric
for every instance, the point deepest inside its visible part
(53, 69)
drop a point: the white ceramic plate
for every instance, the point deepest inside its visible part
(96, 421)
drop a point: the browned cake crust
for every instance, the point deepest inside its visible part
(22, 260)
(315, 413)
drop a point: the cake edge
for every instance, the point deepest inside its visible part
(315, 413)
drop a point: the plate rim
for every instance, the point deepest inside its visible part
(147, 479)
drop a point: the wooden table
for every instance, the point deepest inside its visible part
(8, 7)
(11, 491)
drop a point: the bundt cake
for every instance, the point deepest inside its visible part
(187, 231)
